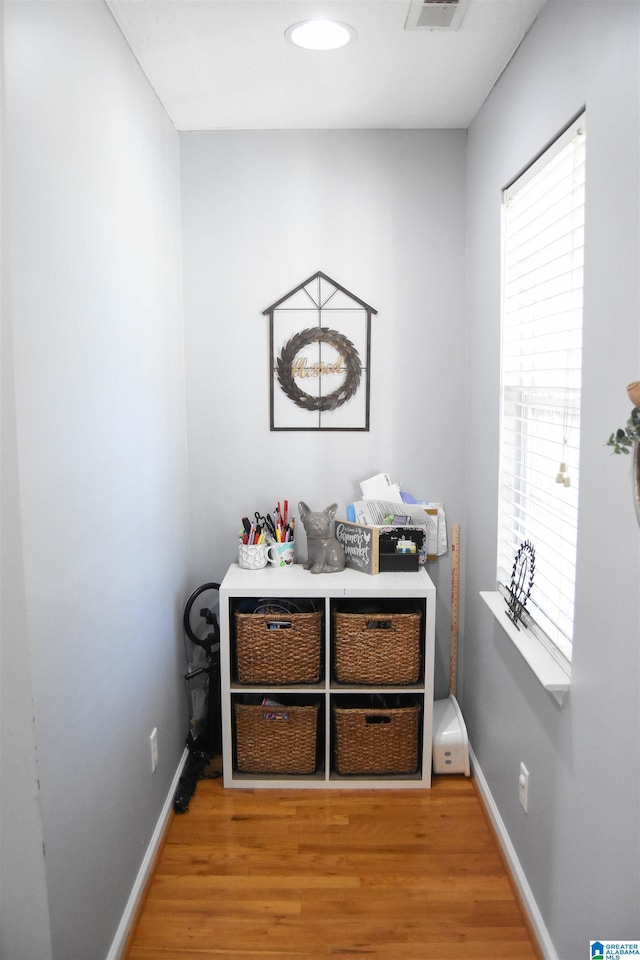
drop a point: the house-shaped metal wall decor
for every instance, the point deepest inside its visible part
(320, 355)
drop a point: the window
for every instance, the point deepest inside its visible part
(542, 281)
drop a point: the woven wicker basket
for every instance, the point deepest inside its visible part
(377, 648)
(278, 647)
(376, 741)
(276, 739)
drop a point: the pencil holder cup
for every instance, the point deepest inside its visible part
(252, 556)
(282, 554)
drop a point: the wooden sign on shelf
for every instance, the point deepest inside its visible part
(360, 545)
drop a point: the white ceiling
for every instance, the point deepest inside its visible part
(225, 64)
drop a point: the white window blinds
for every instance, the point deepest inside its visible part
(543, 243)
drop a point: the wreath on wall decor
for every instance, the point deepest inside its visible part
(343, 346)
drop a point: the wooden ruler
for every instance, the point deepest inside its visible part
(455, 608)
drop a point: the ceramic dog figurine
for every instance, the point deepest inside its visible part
(325, 554)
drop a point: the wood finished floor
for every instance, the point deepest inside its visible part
(311, 875)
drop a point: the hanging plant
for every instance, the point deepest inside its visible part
(624, 438)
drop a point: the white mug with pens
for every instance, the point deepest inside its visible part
(252, 556)
(282, 554)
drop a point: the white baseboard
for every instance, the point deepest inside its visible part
(124, 926)
(535, 917)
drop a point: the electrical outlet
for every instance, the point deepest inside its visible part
(523, 787)
(153, 743)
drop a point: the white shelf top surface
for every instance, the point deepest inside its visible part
(295, 581)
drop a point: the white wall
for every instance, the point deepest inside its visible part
(579, 843)
(382, 213)
(25, 927)
(97, 469)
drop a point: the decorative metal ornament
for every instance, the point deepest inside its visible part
(521, 581)
(320, 355)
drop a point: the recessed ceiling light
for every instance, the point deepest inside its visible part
(320, 34)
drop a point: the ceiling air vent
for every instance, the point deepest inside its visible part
(435, 14)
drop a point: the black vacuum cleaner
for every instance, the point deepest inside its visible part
(204, 741)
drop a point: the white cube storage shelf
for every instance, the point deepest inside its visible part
(348, 591)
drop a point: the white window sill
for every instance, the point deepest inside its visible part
(552, 675)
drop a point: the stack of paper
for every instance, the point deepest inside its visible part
(381, 498)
